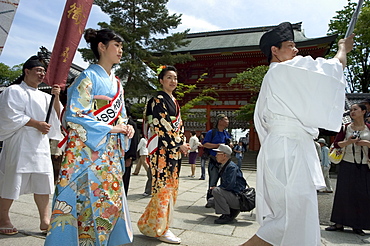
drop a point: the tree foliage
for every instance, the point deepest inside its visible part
(251, 79)
(9, 74)
(145, 27)
(358, 70)
(204, 97)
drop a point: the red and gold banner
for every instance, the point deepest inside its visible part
(71, 28)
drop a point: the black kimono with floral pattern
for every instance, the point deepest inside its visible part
(163, 116)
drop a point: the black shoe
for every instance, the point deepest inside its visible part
(208, 204)
(201, 178)
(334, 228)
(234, 213)
(359, 232)
(224, 219)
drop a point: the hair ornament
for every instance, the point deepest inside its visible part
(160, 68)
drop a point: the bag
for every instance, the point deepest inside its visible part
(335, 154)
(247, 199)
(206, 153)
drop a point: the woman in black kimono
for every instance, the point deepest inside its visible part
(166, 144)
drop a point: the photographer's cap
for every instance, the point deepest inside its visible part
(224, 148)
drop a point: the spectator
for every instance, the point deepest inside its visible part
(352, 195)
(224, 200)
(148, 185)
(203, 158)
(193, 152)
(212, 140)
(143, 152)
(56, 157)
(325, 164)
(130, 155)
(25, 162)
(239, 151)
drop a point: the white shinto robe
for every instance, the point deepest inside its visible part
(25, 149)
(296, 98)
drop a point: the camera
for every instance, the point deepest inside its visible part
(356, 134)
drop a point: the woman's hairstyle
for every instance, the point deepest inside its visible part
(362, 106)
(94, 37)
(165, 69)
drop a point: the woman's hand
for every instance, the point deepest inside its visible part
(363, 143)
(352, 140)
(125, 129)
(184, 149)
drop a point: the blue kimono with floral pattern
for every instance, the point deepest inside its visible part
(89, 205)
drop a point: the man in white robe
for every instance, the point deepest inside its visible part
(25, 162)
(298, 95)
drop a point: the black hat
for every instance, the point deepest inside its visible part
(33, 61)
(283, 32)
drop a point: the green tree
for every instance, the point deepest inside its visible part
(358, 70)
(251, 79)
(145, 27)
(9, 74)
(206, 96)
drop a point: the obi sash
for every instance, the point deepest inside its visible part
(152, 144)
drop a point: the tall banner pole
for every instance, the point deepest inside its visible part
(71, 28)
(353, 21)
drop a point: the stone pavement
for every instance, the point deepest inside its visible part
(193, 223)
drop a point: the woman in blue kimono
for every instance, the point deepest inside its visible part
(89, 205)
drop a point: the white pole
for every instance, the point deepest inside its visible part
(353, 21)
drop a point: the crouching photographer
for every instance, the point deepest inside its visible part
(225, 199)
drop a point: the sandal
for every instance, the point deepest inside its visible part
(8, 230)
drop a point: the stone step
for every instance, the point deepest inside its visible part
(249, 161)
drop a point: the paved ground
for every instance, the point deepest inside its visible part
(192, 221)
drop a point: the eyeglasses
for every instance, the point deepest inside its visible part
(39, 70)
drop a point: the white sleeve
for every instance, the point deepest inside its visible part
(315, 97)
(12, 111)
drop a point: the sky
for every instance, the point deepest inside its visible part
(36, 22)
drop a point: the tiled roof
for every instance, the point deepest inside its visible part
(352, 98)
(245, 39)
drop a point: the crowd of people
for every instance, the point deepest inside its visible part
(91, 175)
